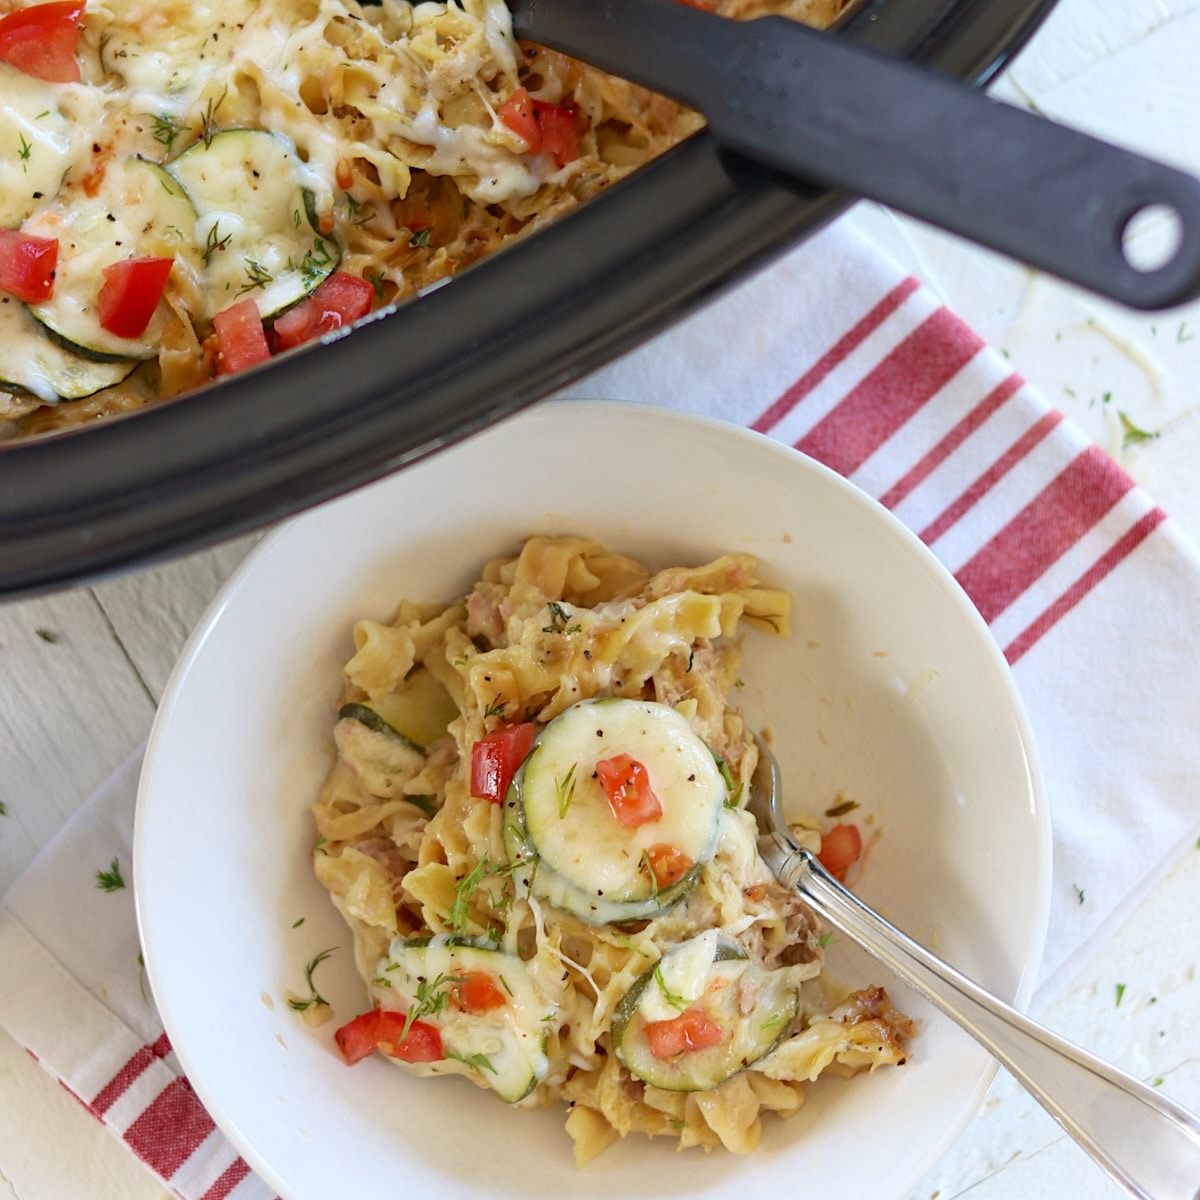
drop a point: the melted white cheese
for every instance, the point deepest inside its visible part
(685, 975)
(579, 836)
(168, 51)
(511, 1038)
(35, 144)
(37, 365)
(397, 87)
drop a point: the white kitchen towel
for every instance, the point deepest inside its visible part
(75, 995)
(1090, 591)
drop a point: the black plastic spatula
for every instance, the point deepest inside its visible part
(820, 107)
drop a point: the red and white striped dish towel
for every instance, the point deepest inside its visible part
(1089, 590)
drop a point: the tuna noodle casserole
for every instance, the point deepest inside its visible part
(535, 829)
(190, 186)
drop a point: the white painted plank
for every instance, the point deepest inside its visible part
(71, 709)
(1013, 1148)
(1112, 98)
(153, 612)
(1080, 33)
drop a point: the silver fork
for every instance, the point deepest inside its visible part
(1149, 1144)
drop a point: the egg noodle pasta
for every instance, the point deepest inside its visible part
(188, 186)
(536, 829)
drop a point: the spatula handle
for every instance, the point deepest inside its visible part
(823, 108)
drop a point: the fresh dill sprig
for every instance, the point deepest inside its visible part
(565, 788)
(645, 864)
(479, 1061)
(257, 276)
(208, 125)
(314, 997)
(214, 242)
(166, 130)
(111, 880)
(432, 998)
(559, 616)
(669, 996)
(314, 264)
(1131, 434)
(459, 911)
(733, 789)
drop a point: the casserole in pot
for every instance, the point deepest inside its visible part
(256, 445)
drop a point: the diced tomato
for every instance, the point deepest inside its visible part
(477, 992)
(667, 864)
(382, 1029)
(27, 265)
(542, 126)
(496, 757)
(241, 341)
(41, 39)
(422, 1043)
(130, 293)
(518, 113)
(340, 300)
(626, 783)
(693, 1029)
(840, 849)
(560, 138)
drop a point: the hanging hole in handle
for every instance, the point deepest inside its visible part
(1151, 237)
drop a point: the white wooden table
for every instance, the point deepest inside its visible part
(81, 672)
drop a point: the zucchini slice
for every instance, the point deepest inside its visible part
(382, 757)
(36, 144)
(492, 1019)
(137, 211)
(705, 990)
(256, 228)
(420, 710)
(32, 362)
(557, 810)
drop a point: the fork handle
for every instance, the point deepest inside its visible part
(1149, 1144)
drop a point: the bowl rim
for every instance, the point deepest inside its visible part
(155, 929)
(248, 450)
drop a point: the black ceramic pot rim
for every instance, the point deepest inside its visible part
(249, 450)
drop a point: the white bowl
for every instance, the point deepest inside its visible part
(890, 689)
